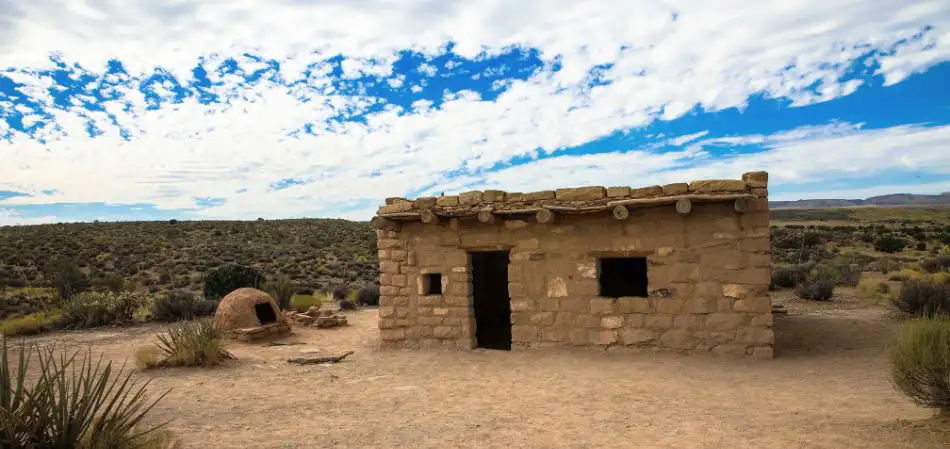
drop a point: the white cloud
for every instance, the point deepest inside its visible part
(716, 54)
(10, 217)
(679, 141)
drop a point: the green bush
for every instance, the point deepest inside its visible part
(301, 303)
(65, 276)
(74, 402)
(225, 279)
(282, 290)
(889, 244)
(178, 305)
(186, 343)
(368, 296)
(920, 362)
(92, 309)
(923, 298)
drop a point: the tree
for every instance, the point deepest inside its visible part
(225, 279)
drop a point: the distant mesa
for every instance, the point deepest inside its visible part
(895, 199)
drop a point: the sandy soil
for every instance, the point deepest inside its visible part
(828, 387)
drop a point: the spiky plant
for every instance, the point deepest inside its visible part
(282, 289)
(75, 402)
(188, 343)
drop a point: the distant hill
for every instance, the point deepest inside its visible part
(896, 199)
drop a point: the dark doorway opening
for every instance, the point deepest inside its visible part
(623, 276)
(265, 313)
(491, 302)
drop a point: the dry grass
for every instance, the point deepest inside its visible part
(33, 323)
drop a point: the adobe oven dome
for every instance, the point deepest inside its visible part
(247, 308)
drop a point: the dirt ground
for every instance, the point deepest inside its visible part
(827, 387)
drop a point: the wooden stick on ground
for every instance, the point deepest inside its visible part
(319, 360)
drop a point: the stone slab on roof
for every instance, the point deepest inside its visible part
(752, 184)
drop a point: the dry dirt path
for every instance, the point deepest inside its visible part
(828, 387)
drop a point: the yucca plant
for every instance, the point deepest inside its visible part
(282, 289)
(186, 343)
(75, 402)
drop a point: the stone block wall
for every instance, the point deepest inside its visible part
(708, 276)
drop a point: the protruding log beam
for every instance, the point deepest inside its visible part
(621, 212)
(742, 205)
(428, 217)
(385, 224)
(546, 216)
(486, 216)
(684, 206)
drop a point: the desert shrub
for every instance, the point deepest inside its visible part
(920, 362)
(282, 290)
(889, 244)
(368, 296)
(33, 323)
(301, 303)
(929, 265)
(124, 305)
(872, 289)
(921, 246)
(110, 282)
(340, 293)
(936, 264)
(787, 277)
(923, 298)
(65, 276)
(178, 305)
(225, 279)
(185, 343)
(92, 309)
(206, 307)
(904, 275)
(75, 401)
(816, 289)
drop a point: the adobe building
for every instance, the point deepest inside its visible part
(682, 267)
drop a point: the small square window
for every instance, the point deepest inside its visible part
(623, 276)
(432, 284)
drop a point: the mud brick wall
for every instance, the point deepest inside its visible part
(708, 276)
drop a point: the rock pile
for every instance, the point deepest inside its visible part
(316, 317)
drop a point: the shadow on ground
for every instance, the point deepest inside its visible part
(821, 333)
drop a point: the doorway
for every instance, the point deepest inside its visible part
(265, 313)
(490, 299)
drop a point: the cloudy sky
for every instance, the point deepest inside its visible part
(119, 110)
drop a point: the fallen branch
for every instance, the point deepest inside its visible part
(319, 360)
(282, 343)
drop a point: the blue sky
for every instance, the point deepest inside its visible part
(149, 110)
